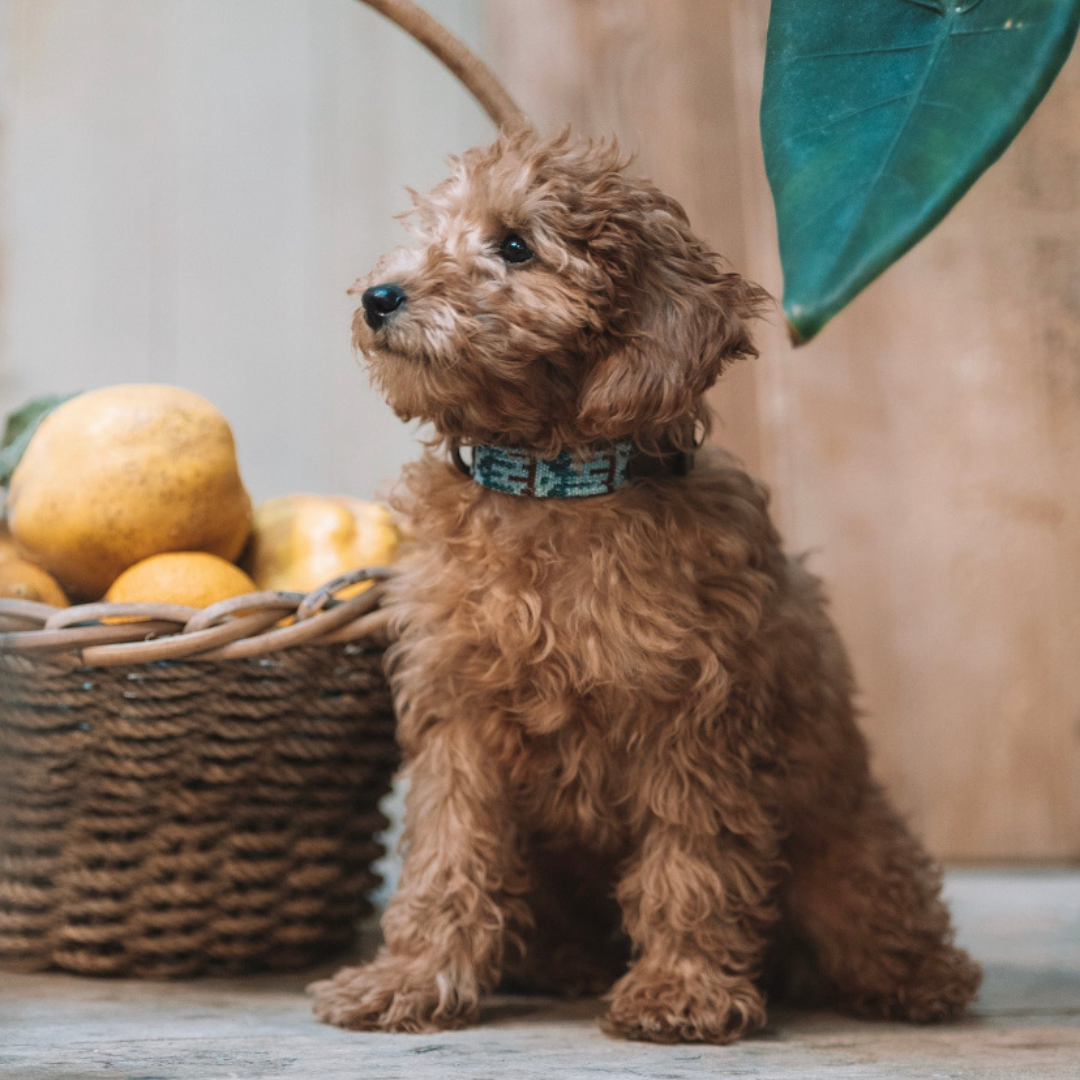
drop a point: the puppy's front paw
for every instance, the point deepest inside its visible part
(683, 1004)
(393, 995)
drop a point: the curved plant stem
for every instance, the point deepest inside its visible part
(469, 69)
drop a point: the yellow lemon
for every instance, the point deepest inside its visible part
(299, 542)
(116, 475)
(193, 578)
(20, 580)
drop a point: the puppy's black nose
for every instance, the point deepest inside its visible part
(380, 302)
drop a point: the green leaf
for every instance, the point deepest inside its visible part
(877, 117)
(20, 428)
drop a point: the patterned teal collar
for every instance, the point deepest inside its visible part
(520, 471)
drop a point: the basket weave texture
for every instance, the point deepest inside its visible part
(181, 816)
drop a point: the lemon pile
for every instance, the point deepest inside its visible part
(133, 493)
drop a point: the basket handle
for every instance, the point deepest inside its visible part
(467, 67)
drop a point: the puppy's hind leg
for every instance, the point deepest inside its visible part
(861, 892)
(867, 901)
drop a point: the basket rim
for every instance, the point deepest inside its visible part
(108, 635)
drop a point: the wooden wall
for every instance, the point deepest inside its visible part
(926, 447)
(188, 186)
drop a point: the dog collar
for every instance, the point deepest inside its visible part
(521, 471)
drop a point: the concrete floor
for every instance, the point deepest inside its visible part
(1024, 927)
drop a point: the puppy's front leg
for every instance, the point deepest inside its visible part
(697, 901)
(459, 897)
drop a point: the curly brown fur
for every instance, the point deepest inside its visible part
(627, 719)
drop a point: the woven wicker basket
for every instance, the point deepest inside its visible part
(192, 791)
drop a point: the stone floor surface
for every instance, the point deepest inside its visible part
(1023, 926)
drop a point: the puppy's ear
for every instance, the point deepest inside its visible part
(694, 321)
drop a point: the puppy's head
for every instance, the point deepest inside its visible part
(551, 301)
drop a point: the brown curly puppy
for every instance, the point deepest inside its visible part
(627, 719)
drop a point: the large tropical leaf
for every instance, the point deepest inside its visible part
(878, 115)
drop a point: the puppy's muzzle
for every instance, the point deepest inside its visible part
(380, 302)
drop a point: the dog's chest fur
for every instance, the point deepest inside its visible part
(571, 635)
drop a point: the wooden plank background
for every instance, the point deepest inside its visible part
(926, 447)
(187, 188)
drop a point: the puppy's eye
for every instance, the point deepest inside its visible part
(514, 250)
